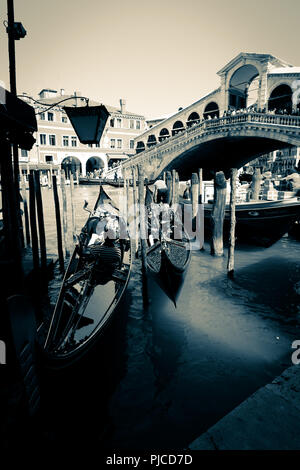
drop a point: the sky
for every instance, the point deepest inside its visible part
(158, 55)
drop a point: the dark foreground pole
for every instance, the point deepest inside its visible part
(230, 264)
(25, 206)
(32, 212)
(39, 207)
(143, 234)
(58, 225)
(218, 214)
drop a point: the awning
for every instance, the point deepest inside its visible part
(117, 156)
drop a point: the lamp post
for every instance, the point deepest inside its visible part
(15, 31)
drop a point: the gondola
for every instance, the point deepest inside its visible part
(90, 295)
(167, 258)
(260, 223)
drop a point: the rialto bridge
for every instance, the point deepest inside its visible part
(254, 111)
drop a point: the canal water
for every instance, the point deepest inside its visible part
(170, 373)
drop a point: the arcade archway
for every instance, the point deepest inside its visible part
(151, 140)
(140, 147)
(164, 134)
(71, 165)
(94, 163)
(211, 111)
(193, 119)
(177, 127)
(242, 93)
(281, 99)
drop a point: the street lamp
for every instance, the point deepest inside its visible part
(88, 122)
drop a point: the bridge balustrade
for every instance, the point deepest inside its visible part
(275, 119)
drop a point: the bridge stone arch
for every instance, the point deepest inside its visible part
(151, 140)
(163, 134)
(211, 110)
(140, 146)
(193, 119)
(280, 97)
(239, 83)
(178, 126)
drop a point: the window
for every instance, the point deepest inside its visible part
(24, 153)
(48, 158)
(112, 123)
(64, 119)
(50, 117)
(74, 141)
(97, 145)
(42, 116)
(65, 140)
(119, 122)
(90, 145)
(52, 139)
(112, 143)
(131, 124)
(131, 144)
(119, 142)
(43, 139)
(138, 124)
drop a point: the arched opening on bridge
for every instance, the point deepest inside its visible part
(193, 119)
(211, 111)
(70, 165)
(242, 92)
(94, 163)
(281, 99)
(164, 134)
(140, 147)
(177, 127)
(151, 140)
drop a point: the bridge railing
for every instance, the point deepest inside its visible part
(273, 119)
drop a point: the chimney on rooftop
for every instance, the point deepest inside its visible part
(122, 105)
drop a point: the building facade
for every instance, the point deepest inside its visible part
(57, 144)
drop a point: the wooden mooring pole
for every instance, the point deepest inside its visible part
(255, 185)
(72, 207)
(201, 209)
(218, 214)
(40, 215)
(134, 199)
(143, 243)
(33, 227)
(230, 264)
(25, 207)
(58, 225)
(65, 214)
(169, 184)
(194, 194)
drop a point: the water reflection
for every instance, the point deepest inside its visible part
(166, 374)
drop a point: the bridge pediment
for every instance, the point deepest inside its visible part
(244, 58)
